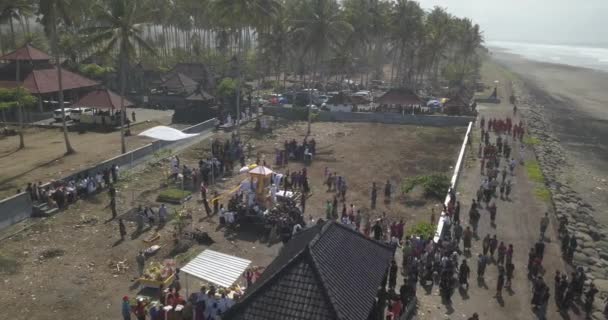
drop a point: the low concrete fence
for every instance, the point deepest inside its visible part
(380, 117)
(443, 220)
(19, 207)
(15, 209)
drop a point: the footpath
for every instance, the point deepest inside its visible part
(517, 223)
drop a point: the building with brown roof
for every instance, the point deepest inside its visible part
(399, 97)
(39, 76)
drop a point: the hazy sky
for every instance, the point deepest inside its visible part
(540, 21)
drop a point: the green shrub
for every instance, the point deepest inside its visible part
(542, 193)
(424, 229)
(173, 195)
(534, 172)
(434, 185)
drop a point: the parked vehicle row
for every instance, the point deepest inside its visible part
(72, 114)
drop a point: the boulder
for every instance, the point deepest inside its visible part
(580, 258)
(583, 236)
(601, 284)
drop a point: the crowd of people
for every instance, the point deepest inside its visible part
(59, 194)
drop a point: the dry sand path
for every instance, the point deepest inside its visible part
(517, 223)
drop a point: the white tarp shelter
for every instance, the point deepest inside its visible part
(261, 170)
(166, 134)
(215, 267)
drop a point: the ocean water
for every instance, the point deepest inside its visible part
(578, 56)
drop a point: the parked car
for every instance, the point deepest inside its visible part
(323, 99)
(77, 112)
(57, 114)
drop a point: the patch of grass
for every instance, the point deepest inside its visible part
(424, 229)
(186, 257)
(534, 172)
(543, 193)
(531, 141)
(173, 195)
(8, 265)
(434, 185)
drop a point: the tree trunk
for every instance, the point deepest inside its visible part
(10, 20)
(238, 90)
(20, 109)
(123, 111)
(55, 44)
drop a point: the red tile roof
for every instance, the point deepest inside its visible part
(402, 97)
(45, 81)
(26, 53)
(102, 99)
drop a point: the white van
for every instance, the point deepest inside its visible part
(57, 114)
(77, 112)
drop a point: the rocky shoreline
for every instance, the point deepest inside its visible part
(592, 250)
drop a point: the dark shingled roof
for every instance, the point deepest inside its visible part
(404, 97)
(180, 81)
(327, 271)
(342, 98)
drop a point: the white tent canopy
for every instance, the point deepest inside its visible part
(166, 134)
(216, 267)
(261, 170)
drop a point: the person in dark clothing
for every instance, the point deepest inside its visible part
(500, 281)
(112, 206)
(493, 246)
(377, 231)
(457, 212)
(510, 268)
(572, 247)
(565, 243)
(589, 297)
(539, 248)
(482, 261)
(463, 274)
(374, 195)
(387, 191)
(502, 250)
(485, 244)
(392, 275)
(303, 203)
(114, 172)
(112, 191)
(467, 238)
(122, 229)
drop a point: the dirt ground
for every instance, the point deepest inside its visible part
(43, 157)
(63, 263)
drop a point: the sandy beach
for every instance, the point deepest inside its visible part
(575, 104)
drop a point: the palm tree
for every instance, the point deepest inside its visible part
(242, 15)
(120, 27)
(405, 34)
(437, 32)
(9, 11)
(320, 26)
(55, 12)
(273, 43)
(14, 10)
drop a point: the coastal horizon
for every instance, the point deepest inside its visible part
(585, 56)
